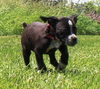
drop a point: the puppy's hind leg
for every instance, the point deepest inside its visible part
(26, 56)
(53, 60)
(40, 61)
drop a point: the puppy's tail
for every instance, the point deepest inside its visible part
(24, 25)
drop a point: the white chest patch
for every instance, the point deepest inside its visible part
(70, 23)
(54, 44)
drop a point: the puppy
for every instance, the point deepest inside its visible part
(46, 38)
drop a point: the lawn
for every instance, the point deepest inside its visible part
(83, 71)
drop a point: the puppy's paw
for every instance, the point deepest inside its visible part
(61, 66)
(41, 70)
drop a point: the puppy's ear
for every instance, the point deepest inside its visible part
(44, 18)
(51, 20)
(74, 18)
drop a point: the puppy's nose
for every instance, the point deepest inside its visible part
(74, 38)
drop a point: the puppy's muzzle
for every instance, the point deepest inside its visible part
(72, 40)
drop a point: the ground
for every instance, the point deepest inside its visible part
(83, 71)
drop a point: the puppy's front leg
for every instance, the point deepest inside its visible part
(64, 57)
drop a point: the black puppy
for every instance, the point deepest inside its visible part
(46, 38)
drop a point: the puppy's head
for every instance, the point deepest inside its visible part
(65, 28)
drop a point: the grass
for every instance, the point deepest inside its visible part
(14, 12)
(83, 71)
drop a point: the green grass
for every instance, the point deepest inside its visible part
(14, 12)
(83, 71)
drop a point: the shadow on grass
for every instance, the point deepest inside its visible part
(65, 72)
(73, 71)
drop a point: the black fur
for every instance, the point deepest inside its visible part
(35, 38)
